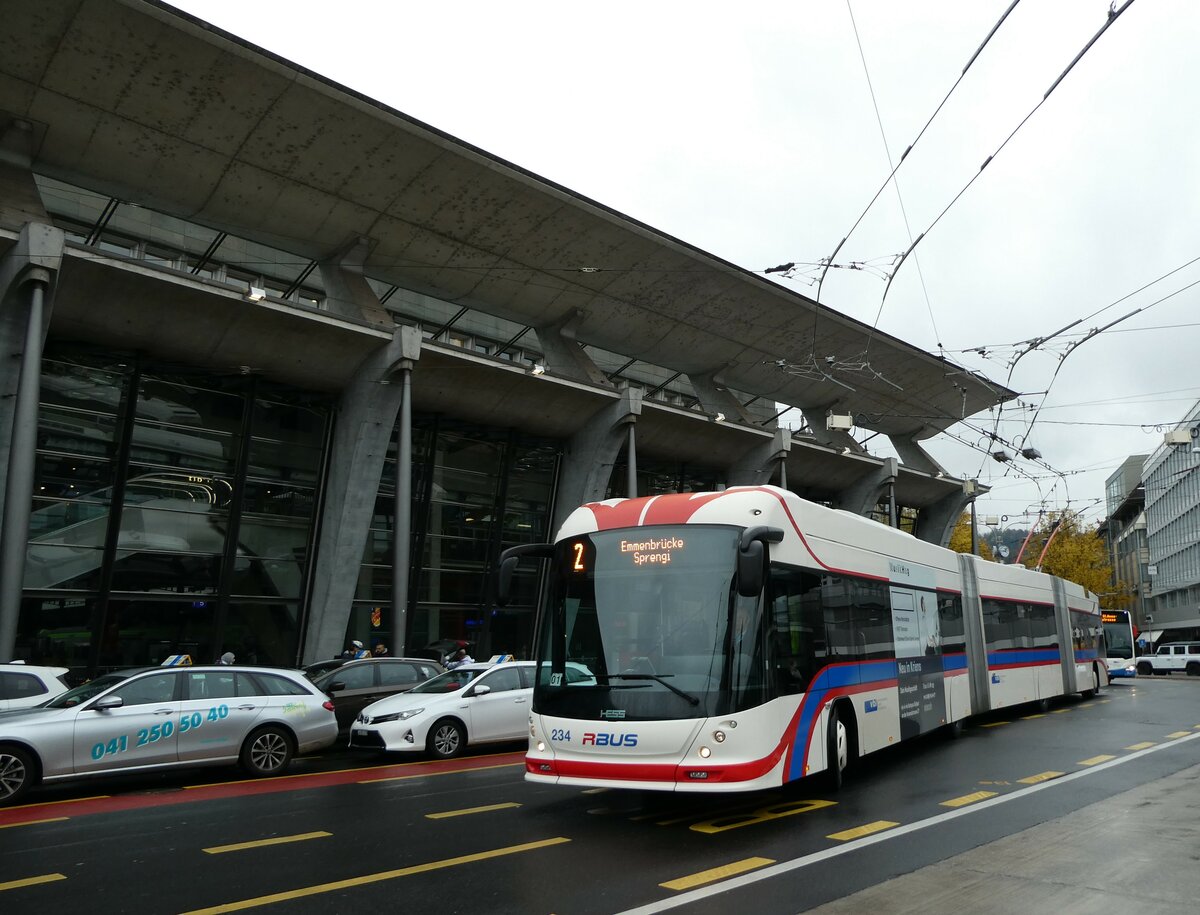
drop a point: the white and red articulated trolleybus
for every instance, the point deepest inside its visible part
(742, 639)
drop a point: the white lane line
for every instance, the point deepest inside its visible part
(785, 867)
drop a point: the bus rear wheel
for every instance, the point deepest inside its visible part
(838, 751)
(1095, 690)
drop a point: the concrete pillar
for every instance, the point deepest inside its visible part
(715, 398)
(27, 278)
(834, 438)
(863, 496)
(591, 453)
(913, 456)
(758, 465)
(565, 356)
(365, 419)
(935, 523)
(402, 512)
(347, 292)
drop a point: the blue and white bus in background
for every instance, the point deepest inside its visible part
(743, 639)
(1120, 637)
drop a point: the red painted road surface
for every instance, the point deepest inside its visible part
(28, 813)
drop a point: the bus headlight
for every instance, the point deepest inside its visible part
(719, 736)
(705, 752)
(541, 746)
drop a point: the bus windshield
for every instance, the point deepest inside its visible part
(1118, 633)
(644, 624)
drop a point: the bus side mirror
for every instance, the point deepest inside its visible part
(753, 558)
(751, 565)
(510, 559)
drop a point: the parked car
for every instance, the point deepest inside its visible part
(1181, 657)
(314, 670)
(23, 685)
(156, 718)
(356, 684)
(471, 704)
(442, 650)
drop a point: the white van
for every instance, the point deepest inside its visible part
(1182, 657)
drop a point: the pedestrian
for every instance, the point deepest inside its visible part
(355, 651)
(380, 650)
(227, 659)
(459, 658)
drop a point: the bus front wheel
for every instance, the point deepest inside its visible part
(838, 750)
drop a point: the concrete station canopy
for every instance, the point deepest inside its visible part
(156, 108)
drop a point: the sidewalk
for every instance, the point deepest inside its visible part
(1138, 852)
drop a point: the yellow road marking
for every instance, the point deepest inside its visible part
(469, 810)
(968, 799)
(995, 724)
(402, 778)
(1176, 734)
(761, 815)
(1060, 711)
(1040, 777)
(74, 800)
(34, 822)
(375, 878)
(1031, 717)
(31, 881)
(1104, 702)
(717, 873)
(1095, 760)
(260, 843)
(1145, 745)
(280, 778)
(859, 831)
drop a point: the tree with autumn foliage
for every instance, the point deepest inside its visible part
(1076, 553)
(960, 539)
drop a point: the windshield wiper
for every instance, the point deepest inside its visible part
(655, 677)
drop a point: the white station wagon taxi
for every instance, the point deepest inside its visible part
(161, 718)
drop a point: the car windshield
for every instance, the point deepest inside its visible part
(448, 682)
(85, 691)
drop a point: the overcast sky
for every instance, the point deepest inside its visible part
(753, 131)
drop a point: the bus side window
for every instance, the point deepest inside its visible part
(796, 635)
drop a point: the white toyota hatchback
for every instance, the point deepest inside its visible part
(24, 686)
(475, 703)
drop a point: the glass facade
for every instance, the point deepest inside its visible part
(477, 490)
(173, 513)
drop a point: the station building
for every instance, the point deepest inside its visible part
(290, 367)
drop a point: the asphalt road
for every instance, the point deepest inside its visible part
(370, 834)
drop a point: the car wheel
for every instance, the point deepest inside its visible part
(446, 739)
(17, 773)
(268, 751)
(1193, 669)
(1145, 668)
(837, 750)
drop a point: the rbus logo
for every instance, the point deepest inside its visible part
(610, 740)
